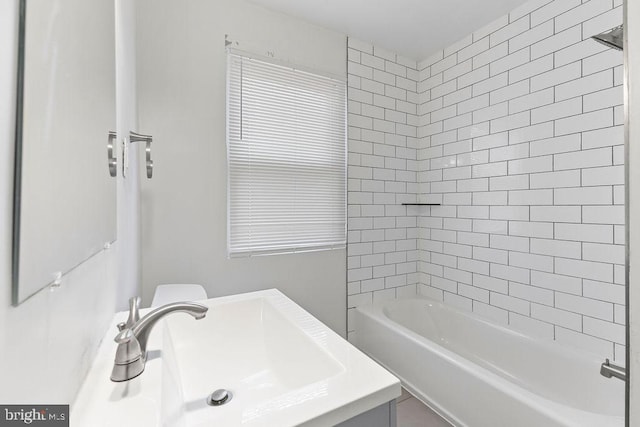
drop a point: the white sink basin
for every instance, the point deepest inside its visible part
(282, 366)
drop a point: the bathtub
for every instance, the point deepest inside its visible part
(478, 374)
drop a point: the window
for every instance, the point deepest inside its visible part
(286, 154)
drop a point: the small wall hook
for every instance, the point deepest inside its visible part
(113, 162)
(147, 139)
(138, 137)
(148, 159)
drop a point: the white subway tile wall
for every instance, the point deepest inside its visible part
(541, 246)
(517, 131)
(383, 123)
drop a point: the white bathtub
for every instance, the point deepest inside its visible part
(478, 374)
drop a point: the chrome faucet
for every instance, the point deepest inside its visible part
(608, 369)
(131, 354)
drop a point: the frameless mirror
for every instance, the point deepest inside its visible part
(64, 196)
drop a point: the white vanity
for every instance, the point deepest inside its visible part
(281, 366)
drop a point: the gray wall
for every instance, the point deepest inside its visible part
(181, 83)
(48, 342)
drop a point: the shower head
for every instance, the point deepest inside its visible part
(612, 38)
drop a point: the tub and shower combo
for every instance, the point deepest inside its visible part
(479, 374)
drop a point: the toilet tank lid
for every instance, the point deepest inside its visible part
(166, 294)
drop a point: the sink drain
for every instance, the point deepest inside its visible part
(219, 397)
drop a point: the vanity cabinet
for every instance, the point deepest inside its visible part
(380, 416)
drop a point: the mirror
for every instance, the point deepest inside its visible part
(64, 196)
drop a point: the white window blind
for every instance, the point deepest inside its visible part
(286, 159)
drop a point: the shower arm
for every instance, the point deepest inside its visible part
(613, 38)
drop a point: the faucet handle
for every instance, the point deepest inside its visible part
(134, 313)
(124, 336)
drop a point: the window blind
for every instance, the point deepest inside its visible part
(286, 153)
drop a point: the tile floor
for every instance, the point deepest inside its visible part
(414, 413)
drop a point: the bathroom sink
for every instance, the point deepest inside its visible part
(281, 366)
